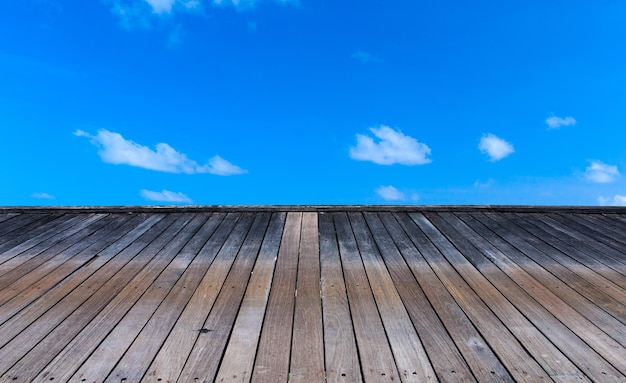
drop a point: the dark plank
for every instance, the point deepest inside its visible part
(68, 360)
(77, 238)
(7, 216)
(48, 274)
(598, 227)
(307, 344)
(515, 237)
(341, 356)
(203, 361)
(56, 328)
(272, 361)
(411, 359)
(238, 360)
(506, 329)
(377, 363)
(46, 238)
(518, 286)
(447, 361)
(577, 252)
(171, 359)
(25, 226)
(42, 296)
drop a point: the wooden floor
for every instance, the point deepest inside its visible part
(405, 295)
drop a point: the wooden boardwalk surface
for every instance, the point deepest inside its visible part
(325, 295)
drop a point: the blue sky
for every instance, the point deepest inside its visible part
(141, 102)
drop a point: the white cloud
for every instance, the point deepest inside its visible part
(617, 200)
(601, 173)
(221, 167)
(42, 196)
(495, 147)
(248, 4)
(390, 193)
(165, 196)
(365, 57)
(115, 149)
(393, 148)
(556, 122)
(161, 6)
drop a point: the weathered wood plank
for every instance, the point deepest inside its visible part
(408, 351)
(571, 279)
(578, 352)
(272, 362)
(57, 327)
(307, 344)
(77, 238)
(172, 356)
(26, 226)
(377, 362)
(203, 361)
(137, 302)
(340, 350)
(49, 291)
(508, 332)
(446, 359)
(607, 230)
(575, 252)
(476, 351)
(7, 216)
(240, 353)
(68, 360)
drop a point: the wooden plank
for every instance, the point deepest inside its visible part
(171, 359)
(446, 359)
(340, 351)
(137, 302)
(7, 216)
(48, 274)
(49, 291)
(238, 360)
(307, 344)
(572, 326)
(58, 326)
(272, 361)
(572, 251)
(611, 254)
(474, 349)
(375, 354)
(16, 342)
(210, 345)
(574, 280)
(77, 237)
(408, 351)
(21, 227)
(40, 241)
(609, 230)
(518, 344)
(68, 360)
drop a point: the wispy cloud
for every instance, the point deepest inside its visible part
(165, 196)
(599, 172)
(556, 122)
(365, 57)
(115, 149)
(42, 196)
(616, 200)
(393, 147)
(249, 4)
(495, 147)
(390, 193)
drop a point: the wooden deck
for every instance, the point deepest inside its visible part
(336, 295)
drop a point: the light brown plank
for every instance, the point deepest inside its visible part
(307, 344)
(240, 353)
(375, 354)
(408, 351)
(272, 362)
(341, 356)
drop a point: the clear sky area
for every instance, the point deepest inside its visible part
(222, 102)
